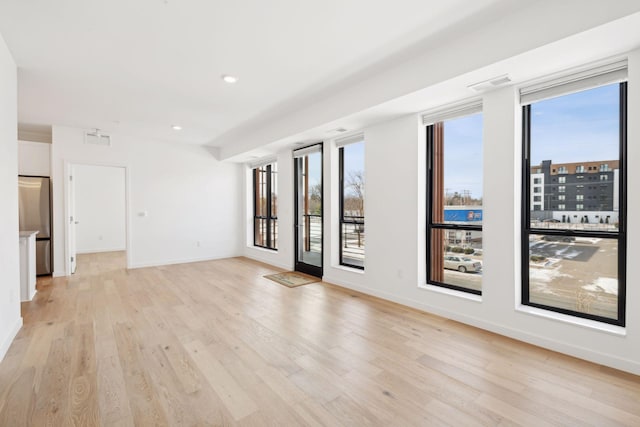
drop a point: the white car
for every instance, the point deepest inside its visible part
(462, 264)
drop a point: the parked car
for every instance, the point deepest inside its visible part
(462, 264)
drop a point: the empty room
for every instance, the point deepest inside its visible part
(337, 213)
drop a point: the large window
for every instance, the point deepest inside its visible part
(265, 212)
(352, 204)
(454, 215)
(573, 257)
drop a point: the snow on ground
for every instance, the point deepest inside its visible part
(539, 278)
(548, 262)
(592, 240)
(544, 275)
(603, 284)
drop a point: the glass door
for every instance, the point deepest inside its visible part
(308, 209)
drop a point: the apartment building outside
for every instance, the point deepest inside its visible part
(575, 192)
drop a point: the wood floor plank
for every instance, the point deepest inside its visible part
(215, 343)
(142, 396)
(52, 403)
(514, 414)
(315, 414)
(83, 390)
(112, 391)
(235, 398)
(20, 400)
(170, 394)
(10, 367)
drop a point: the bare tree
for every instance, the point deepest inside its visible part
(354, 194)
(354, 204)
(461, 198)
(315, 199)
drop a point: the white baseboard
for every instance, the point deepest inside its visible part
(559, 346)
(99, 251)
(165, 262)
(6, 342)
(268, 261)
(179, 261)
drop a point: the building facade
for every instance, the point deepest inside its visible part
(583, 191)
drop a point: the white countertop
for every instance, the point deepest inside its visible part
(27, 243)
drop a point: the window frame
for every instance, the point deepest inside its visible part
(272, 246)
(341, 221)
(431, 225)
(620, 236)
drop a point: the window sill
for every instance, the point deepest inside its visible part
(347, 268)
(261, 249)
(576, 321)
(451, 292)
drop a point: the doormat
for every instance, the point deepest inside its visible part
(292, 279)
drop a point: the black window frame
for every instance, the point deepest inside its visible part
(620, 235)
(342, 221)
(431, 225)
(269, 218)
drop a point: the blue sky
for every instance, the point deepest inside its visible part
(315, 163)
(579, 127)
(353, 161)
(463, 155)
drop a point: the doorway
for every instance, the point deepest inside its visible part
(308, 210)
(97, 212)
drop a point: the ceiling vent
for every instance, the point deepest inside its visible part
(490, 84)
(97, 138)
(336, 131)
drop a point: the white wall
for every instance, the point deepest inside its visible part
(100, 208)
(34, 158)
(395, 242)
(192, 201)
(10, 320)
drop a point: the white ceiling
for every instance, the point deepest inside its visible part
(305, 66)
(141, 66)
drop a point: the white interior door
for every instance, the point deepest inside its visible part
(72, 221)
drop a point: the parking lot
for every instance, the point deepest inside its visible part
(580, 275)
(580, 252)
(465, 280)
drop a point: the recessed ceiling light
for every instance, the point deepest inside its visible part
(229, 79)
(176, 127)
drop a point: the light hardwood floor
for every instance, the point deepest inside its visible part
(214, 343)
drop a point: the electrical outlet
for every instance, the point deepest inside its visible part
(399, 273)
(198, 243)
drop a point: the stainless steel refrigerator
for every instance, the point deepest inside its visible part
(35, 214)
